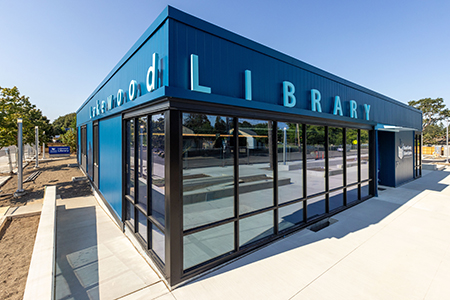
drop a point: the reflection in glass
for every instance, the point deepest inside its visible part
(336, 199)
(158, 243)
(255, 165)
(207, 244)
(364, 190)
(130, 159)
(142, 163)
(157, 168)
(142, 225)
(336, 157)
(290, 215)
(208, 169)
(129, 212)
(290, 162)
(316, 207)
(352, 155)
(254, 228)
(315, 153)
(352, 194)
(364, 154)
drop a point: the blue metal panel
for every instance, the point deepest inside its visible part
(90, 150)
(404, 156)
(110, 159)
(134, 67)
(386, 163)
(222, 65)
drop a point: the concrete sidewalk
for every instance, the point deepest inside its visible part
(94, 259)
(395, 246)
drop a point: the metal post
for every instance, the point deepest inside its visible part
(447, 140)
(43, 148)
(19, 159)
(36, 131)
(284, 146)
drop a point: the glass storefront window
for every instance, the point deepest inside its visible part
(352, 194)
(142, 225)
(129, 212)
(255, 165)
(130, 159)
(142, 162)
(254, 228)
(364, 190)
(290, 215)
(315, 153)
(207, 244)
(316, 207)
(364, 154)
(352, 155)
(290, 161)
(208, 169)
(157, 158)
(335, 157)
(158, 242)
(336, 199)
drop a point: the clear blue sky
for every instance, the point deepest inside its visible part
(58, 51)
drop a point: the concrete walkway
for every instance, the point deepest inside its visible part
(395, 246)
(94, 259)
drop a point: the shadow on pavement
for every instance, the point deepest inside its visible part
(77, 231)
(350, 221)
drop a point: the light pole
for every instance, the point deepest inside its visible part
(43, 148)
(19, 160)
(447, 141)
(36, 131)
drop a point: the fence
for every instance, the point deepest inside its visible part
(9, 157)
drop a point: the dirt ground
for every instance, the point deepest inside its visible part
(54, 172)
(16, 247)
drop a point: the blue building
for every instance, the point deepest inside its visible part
(205, 145)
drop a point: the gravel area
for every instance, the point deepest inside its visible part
(54, 172)
(16, 247)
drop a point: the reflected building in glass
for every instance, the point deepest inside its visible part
(205, 145)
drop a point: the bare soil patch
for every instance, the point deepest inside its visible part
(54, 172)
(16, 247)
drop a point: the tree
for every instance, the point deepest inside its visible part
(63, 123)
(70, 139)
(433, 110)
(14, 106)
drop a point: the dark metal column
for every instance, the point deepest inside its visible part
(373, 164)
(174, 203)
(327, 171)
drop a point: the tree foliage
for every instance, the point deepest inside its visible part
(433, 110)
(14, 106)
(434, 134)
(70, 139)
(63, 123)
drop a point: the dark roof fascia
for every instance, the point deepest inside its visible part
(160, 20)
(240, 40)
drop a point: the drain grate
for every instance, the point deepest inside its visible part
(322, 224)
(33, 176)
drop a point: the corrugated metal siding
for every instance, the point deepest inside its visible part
(135, 68)
(110, 160)
(222, 65)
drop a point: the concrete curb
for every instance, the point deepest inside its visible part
(40, 280)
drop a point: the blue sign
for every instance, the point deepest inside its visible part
(59, 150)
